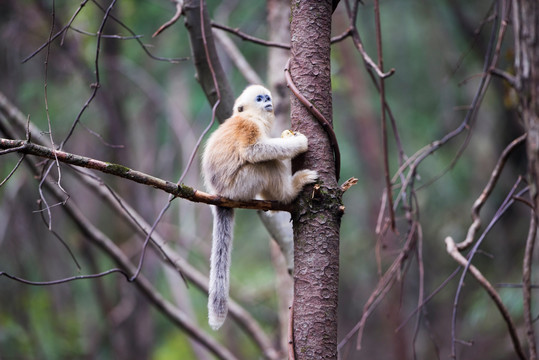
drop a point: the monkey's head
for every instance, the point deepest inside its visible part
(254, 99)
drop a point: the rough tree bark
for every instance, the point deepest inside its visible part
(317, 219)
(526, 26)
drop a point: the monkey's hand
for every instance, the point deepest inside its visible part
(287, 133)
(302, 140)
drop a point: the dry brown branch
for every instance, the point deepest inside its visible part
(237, 58)
(172, 21)
(526, 285)
(369, 63)
(291, 355)
(511, 80)
(137, 222)
(275, 44)
(250, 38)
(478, 204)
(318, 116)
(348, 184)
(143, 284)
(452, 250)
(122, 208)
(181, 191)
(383, 113)
(382, 288)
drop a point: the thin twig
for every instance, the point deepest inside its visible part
(250, 38)
(384, 285)
(459, 258)
(291, 354)
(237, 58)
(370, 64)
(465, 125)
(279, 45)
(348, 184)
(326, 125)
(177, 14)
(421, 291)
(506, 204)
(52, 38)
(478, 204)
(526, 285)
(142, 45)
(341, 37)
(173, 313)
(13, 170)
(511, 79)
(429, 298)
(172, 257)
(105, 36)
(133, 36)
(244, 319)
(383, 114)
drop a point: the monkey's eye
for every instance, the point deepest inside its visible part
(267, 98)
(259, 98)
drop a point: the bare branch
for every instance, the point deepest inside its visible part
(259, 41)
(319, 117)
(383, 113)
(121, 207)
(478, 204)
(291, 355)
(237, 58)
(384, 285)
(526, 285)
(173, 258)
(250, 38)
(459, 258)
(348, 184)
(181, 191)
(143, 284)
(179, 10)
(511, 79)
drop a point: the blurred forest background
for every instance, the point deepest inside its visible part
(148, 115)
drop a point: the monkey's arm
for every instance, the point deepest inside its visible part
(275, 149)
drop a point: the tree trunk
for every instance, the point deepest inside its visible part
(527, 71)
(526, 26)
(317, 220)
(206, 60)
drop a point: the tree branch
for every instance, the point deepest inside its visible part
(328, 128)
(191, 11)
(526, 285)
(459, 258)
(478, 204)
(144, 285)
(181, 191)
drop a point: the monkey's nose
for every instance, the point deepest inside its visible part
(268, 107)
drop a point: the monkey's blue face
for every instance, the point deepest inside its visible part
(264, 101)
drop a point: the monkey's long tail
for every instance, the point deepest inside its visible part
(223, 222)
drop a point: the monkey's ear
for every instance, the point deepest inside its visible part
(240, 108)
